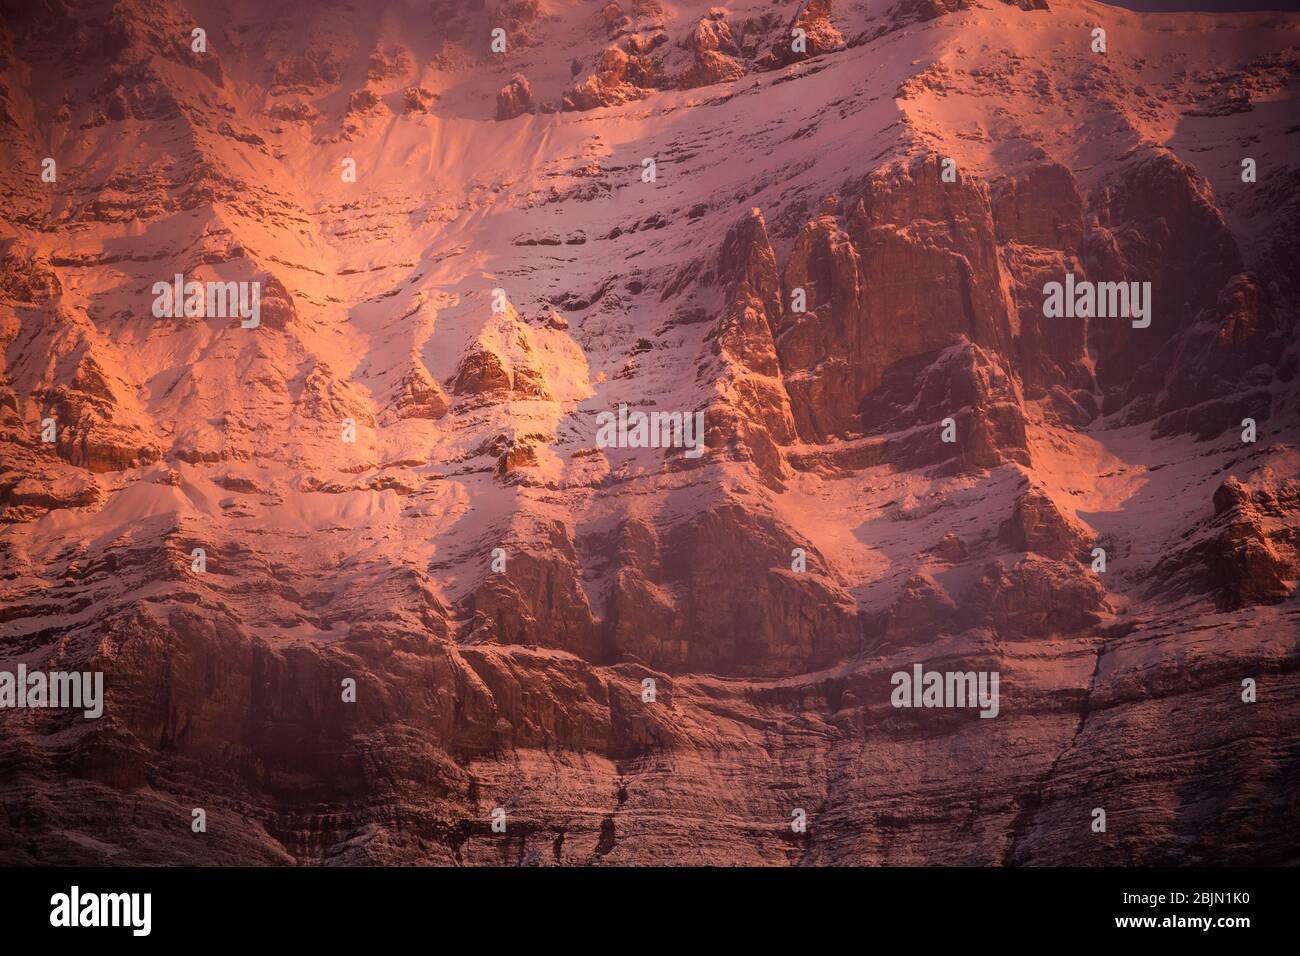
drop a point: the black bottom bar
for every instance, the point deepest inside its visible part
(653, 906)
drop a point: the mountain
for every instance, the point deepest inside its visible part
(365, 573)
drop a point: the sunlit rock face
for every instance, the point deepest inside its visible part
(429, 532)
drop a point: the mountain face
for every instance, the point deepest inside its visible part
(394, 538)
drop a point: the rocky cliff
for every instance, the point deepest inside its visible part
(367, 579)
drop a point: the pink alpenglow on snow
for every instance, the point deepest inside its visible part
(589, 421)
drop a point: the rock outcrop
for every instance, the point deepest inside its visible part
(515, 98)
(715, 55)
(810, 33)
